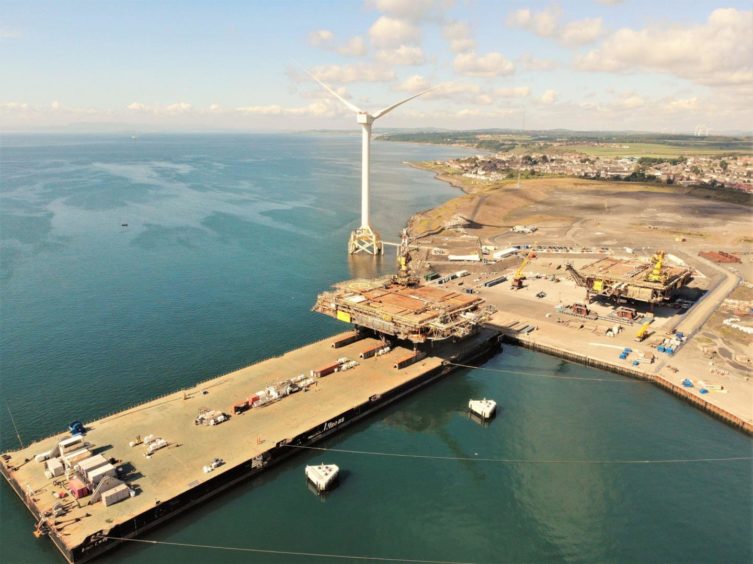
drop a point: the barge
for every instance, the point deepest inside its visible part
(165, 482)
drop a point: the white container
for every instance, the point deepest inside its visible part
(70, 444)
(96, 475)
(116, 494)
(42, 456)
(70, 459)
(55, 467)
(90, 464)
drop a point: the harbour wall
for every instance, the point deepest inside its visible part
(716, 411)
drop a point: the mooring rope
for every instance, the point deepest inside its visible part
(525, 460)
(284, 552)
(551, 376)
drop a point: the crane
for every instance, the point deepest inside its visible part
(518, 277)
(656, 273)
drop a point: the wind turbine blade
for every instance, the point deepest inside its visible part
(350, 105)
(388, 109)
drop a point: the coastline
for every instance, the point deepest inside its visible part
(543, 339)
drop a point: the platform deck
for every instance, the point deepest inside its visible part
(179, 467)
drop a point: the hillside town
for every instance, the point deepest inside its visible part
(731, 172)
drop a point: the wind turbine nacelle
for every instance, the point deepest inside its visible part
(363, 117)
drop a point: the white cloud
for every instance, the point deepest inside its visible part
(682, 104)
(325, 39)
(318, 108)
(14, 106)
(548, 97)
(412, 10)
(543, 23)
(55, 106)
(138, 107)
(179, 108)
(273, 110)
(403, 55)
(459, 36)
(389, 33)
(355, 47)
(546, 23)
(489, 65)
(529, 62)
(415, 83)
(719, 52)
(513, 92)
(632, 101)
(461, 92)
(362, 72)
(582, 31)
(321, 38)
(609, 2)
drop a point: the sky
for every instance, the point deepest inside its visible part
(665, 66)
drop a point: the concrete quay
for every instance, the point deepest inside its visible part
(173, 479)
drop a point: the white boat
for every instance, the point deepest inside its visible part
(484, 408)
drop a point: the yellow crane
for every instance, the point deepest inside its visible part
(642, 332)
(656, 272)
(518, 277)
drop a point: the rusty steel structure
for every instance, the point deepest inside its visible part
(618, 279)
(416, 313)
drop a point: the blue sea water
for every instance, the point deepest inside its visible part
(229, 238)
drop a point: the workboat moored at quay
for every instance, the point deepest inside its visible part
(138, 468)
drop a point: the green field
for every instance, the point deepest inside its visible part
(656, 150)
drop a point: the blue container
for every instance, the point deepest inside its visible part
(628, 350)
(680, 334)
(660, 348)
(636, 362)
(687, 383)
(704, 391)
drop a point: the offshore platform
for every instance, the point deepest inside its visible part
(653, 282)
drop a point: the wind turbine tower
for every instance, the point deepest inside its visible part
(364, 239)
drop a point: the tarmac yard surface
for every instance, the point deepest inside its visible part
(178, 467)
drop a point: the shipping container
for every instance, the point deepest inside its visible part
(408, 360)
(77, 488)
(347, 340)
(495, 281)
(325, 370)
(371, 351)
(55, 467)
(91, 463)
(71, 443)
(240, 407)
(42, 456)
(116, 494)
(76, 456)
(98, 473)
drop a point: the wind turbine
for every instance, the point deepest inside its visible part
(365, 239)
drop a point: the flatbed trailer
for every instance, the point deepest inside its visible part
(172, 479)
